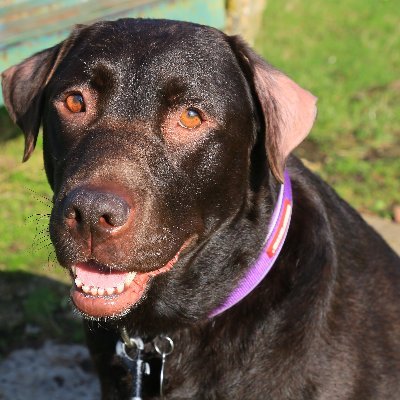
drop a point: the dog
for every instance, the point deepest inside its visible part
(182, 216)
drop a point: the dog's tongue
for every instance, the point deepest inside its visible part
(94, 275)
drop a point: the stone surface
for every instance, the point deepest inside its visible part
(53, 372)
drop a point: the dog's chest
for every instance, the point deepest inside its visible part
(217, 370)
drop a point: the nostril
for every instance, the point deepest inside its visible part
(70, 214)
(106, 220)
(112, 211)
(77, 216)
(73, 213)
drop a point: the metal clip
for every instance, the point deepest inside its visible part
(136, 366)
(168, 342)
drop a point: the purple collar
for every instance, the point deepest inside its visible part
(277, 230)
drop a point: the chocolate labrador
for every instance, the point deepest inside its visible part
(190, 230)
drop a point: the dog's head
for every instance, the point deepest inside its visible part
(159, 139)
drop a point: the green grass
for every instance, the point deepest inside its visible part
(347, 54)
(24, 208)
(34, 297)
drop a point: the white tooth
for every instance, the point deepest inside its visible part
(86, 289)
(93, 291)
(130, 278)
(78, 283)
(110, 291)
(100, 291)
(73, 268)
(120, 288)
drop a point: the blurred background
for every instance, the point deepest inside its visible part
(345, 52)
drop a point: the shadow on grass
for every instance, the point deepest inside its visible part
(33, 309)
(8, 130)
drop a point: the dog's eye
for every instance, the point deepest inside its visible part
(190, 119)
(75, 103)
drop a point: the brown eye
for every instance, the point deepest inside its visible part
(75, 103)
(190, 119)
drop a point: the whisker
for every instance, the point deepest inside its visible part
(41, 198)
(43, 247)
(40, 232)
(37, 217)
(42, 240)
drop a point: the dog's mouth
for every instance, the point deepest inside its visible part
(100, 292)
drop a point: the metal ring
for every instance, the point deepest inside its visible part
(137, 342)
(121, 347)
(169, 341)
(121, 350)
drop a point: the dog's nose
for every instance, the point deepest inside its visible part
(99, 211)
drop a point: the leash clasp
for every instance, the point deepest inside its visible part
(135, 364)
(162, 344)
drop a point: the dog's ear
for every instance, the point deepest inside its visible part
(23, 86)
(289, 111)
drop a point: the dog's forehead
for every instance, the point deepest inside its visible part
(145, 58)
(151, 46)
